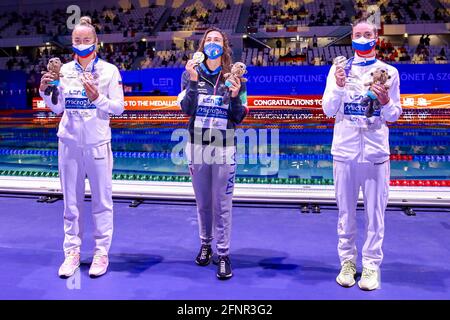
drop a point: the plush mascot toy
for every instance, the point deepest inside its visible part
(370, 101)
(238, 70)
(54, 67)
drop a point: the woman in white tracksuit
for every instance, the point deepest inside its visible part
(89, 90)
(360, 152)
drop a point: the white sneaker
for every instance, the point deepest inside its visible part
(99, 265)
(70, 264)
(370, 279)
(346, 277)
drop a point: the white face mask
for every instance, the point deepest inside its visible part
(363, 45)
(83, 50)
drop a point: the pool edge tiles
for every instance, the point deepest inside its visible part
(273, 193)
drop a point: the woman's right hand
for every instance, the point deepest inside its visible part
(46, 78)
(190, 67)
(340, 76)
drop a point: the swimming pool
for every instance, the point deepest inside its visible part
(293, 156)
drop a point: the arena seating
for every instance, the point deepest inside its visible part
(288, 12)
(200, 15)
(407, 11)
(197, 15)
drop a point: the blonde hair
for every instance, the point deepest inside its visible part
(365, 18)
(86, 21)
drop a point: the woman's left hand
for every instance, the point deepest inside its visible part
(381, 93)
(235, 87)
(91, 89)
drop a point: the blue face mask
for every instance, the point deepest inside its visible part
(83, 50)
(213, 51)
(363, 45)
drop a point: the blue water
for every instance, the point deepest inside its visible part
(302, 153)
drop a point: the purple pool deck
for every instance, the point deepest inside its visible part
(277, 253)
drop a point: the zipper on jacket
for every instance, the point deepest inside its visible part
(212, 85)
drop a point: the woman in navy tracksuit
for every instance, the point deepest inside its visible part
(215, 108)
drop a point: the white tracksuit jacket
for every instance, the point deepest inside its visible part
(82, 122)
(352, 138)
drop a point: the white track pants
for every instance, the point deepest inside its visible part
(213, 185)
(74, 164)
(374, 181)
